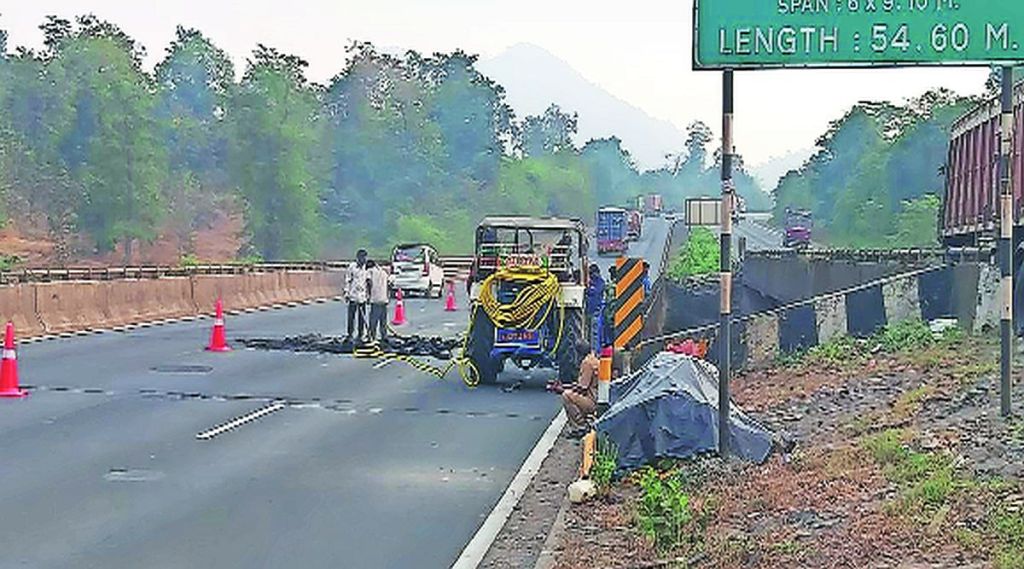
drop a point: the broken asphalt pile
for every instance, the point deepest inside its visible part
(415, 346)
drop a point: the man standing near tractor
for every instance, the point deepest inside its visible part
(357, 287)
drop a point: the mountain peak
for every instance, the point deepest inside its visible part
(534, 78)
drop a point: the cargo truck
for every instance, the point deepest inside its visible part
(970, 210)
(652, 205)
(612, 228)
(636, 225)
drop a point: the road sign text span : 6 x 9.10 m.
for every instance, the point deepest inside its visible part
(738, 34)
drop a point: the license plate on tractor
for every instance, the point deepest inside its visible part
(513, 336)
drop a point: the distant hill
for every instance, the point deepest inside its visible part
(770, 172)
(534, 78)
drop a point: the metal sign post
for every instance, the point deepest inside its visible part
(1006, 239)
(725, 318)
(731, 35)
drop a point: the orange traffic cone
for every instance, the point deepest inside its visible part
(399, 318)
(9, 368)
(218, 341)
(449, 304)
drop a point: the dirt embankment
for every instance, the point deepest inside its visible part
(902, 460)
(217, 241)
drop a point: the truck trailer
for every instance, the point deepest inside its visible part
(612, 230)
(970, 210)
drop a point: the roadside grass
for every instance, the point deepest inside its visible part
(931, 491)
(911, 338)
(602, 473)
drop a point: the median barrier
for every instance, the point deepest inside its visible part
(64, 306)
(76, 305)
(133, 301)
(18, 305)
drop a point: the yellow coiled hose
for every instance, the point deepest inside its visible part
(529, 310)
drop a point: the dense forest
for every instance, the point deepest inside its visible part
(103, 154)
(877, 178)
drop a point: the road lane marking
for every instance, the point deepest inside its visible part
(382, 363)
(238, 422)
(481, 543)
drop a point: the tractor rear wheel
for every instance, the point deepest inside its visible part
(572, 334)
(478, 350)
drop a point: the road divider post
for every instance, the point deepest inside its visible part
(218, 337)
(9, 388)
(399, 318)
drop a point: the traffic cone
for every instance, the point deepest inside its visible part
(218, 341)
(399, 318)
(9, 368)
(449, 304)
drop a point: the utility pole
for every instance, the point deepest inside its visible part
(1006, 239)
(725, 317)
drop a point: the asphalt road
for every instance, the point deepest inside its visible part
(364, 466)
(759, 235)
(650, 246)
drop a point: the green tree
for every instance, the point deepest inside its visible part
(549, 133)
(110, 145)
(276, 155)
(195, 81)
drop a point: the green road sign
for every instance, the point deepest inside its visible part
(741, 34)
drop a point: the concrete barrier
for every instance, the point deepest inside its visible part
(18, 305)
(136, 301)
(67, 306)
(37, 308)
(966, 292)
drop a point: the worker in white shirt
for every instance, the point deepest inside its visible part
(357, 288)
(378, 277)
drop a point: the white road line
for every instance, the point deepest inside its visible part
(381, 364)
(477, 548)
(207, 435)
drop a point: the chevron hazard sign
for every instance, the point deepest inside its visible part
(630, 276)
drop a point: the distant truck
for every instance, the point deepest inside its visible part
(798, 228)
(652, 205)
(612, 230)
(636, 225)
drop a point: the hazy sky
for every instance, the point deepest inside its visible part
(639, 50)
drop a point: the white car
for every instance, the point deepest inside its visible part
(416, 268)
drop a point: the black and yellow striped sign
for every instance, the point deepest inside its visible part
(629, 300)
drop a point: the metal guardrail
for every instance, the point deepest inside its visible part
(453, 266)
(879, 255)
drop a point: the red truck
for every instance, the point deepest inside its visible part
(652, 205)
(636, 225)
(970, 210)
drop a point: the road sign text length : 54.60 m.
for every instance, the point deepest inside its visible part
(829, 33)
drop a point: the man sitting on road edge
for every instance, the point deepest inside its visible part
(580, 398)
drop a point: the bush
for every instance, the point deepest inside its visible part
(906, 335)
(664, 509)
(605, 464)
(699, 256)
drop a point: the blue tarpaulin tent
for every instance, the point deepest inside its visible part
(669, 409)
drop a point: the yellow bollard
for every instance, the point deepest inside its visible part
(604, 380)
(589, 446)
